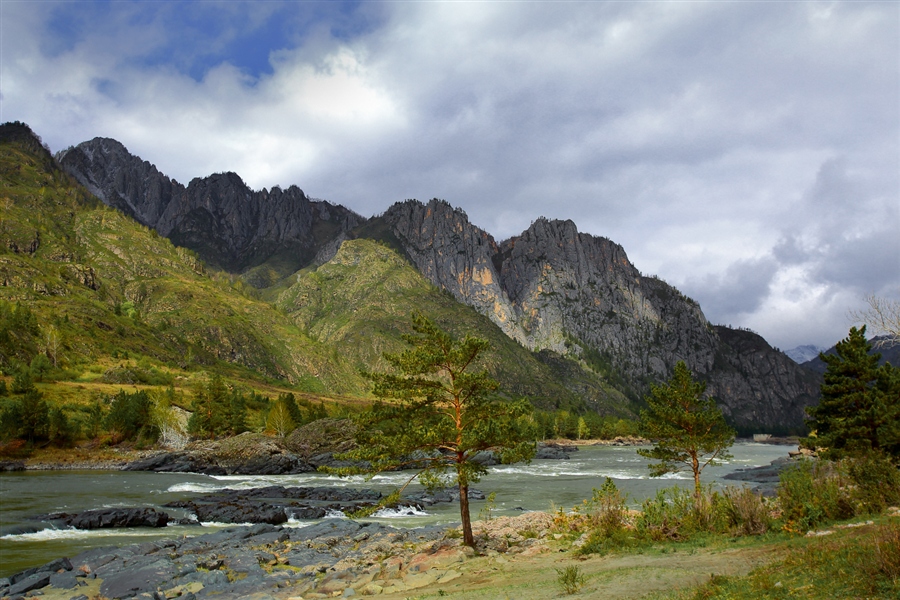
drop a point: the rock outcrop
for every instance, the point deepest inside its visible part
(219, 217)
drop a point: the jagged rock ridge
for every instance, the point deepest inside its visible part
(553, 288)
(224, 221)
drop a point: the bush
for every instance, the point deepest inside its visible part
(607, 514)
(810, 493)
(674, 514)
(748, 512)
(570, 579)
(877, 481)
(886, 555)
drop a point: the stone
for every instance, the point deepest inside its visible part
(35, 581)
(64, 581)
(104, 518)
(129, 581)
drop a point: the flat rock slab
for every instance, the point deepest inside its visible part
(130, 582)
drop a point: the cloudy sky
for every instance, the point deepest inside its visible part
(747, 152)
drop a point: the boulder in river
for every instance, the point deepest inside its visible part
(104, 518)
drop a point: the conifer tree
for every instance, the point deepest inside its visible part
(210, 409)
(860, 405)
(689, 430)
(437, 412)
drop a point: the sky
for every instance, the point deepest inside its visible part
(746, 152)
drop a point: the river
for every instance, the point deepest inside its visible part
(540, 485)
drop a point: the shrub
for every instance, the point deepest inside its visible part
(886, 555)
(570, 579)
(674, 514)
(877, 481)
(748, 512)
(607, 514)
(810, 493)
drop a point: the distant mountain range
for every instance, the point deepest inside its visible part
(802, 354)
(880, 345)
(311, 292)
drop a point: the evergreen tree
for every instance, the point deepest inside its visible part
(860, 404)
(33, 416)
(689, 430)
(236, 419)
(131, 416)
(22, 382)
(60, 429)
(437, 413)
(210, 409)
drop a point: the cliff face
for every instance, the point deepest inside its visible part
(553, 288)
(219, 217)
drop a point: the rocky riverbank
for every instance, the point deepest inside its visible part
(336, 557)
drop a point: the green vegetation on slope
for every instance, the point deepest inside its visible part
(359, 304)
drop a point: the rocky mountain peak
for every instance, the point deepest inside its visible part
(578, 295)
(219, 216)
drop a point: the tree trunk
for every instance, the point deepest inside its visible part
(468, 538)
(695, 463)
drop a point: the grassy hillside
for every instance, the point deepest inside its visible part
(359, 304)
(98, 302)
(100, 286)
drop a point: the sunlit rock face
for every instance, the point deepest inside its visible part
(553, 288)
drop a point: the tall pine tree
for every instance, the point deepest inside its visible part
(860, 405)
(437, 412)
(689, 430)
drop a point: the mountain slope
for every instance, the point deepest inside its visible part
(105, 285)
(359, 303)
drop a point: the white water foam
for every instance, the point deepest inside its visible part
(50, 534)
(394, 513)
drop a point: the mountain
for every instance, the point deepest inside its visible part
(226, 223)
(104, 287)
(597, 327)
(890, 352)
(555, 289)
(802, 354)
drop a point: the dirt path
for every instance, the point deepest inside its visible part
(501, 577)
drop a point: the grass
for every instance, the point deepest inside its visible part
(854, 563)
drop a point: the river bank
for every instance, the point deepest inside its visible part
(345, 558)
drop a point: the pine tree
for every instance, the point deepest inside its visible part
(437, 412)
(210, 409)
(690, 430)
(860, 403)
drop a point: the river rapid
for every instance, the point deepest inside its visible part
(540, 485)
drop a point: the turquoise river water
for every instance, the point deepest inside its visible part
(539, 485)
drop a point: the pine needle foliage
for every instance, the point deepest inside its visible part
(859, 412)
(689, 429)
(436, 411)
